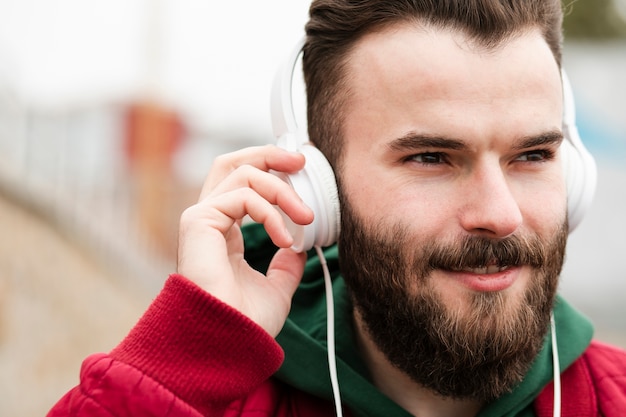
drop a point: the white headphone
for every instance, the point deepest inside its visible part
(581, 173)
(315, 183)
(317, 187)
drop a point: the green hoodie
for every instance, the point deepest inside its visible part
(303, 339)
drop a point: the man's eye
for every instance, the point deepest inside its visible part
(536, 156)
(428, 158)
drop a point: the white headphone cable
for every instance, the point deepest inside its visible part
(330, 332)
(557, 370)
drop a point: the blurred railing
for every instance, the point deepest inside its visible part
(67, 165)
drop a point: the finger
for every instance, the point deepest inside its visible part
(270, 187)
(284, 274)
(287, 267)
(263, 158)
(221, 212)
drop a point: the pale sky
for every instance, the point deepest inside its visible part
(215, 60)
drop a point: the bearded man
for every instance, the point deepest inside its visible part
(443, 123)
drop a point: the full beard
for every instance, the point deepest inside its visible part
(479, 352)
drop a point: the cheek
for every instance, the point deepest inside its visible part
(364, 186)
(391, 205)
(545, 206)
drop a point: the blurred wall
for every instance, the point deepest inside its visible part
(57, 305)
(593, 278)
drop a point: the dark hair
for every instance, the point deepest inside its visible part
(336, 25)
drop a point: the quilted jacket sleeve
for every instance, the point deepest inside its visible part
(594, 385)
(189, 355)
(607, 366)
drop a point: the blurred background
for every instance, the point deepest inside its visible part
(110, 115)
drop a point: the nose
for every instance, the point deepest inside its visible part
(489, 206)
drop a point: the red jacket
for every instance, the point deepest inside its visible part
(175, 364)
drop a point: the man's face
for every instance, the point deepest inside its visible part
(454, 204)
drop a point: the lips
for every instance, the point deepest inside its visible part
(482, 264)
(486, 279)
(486, 270)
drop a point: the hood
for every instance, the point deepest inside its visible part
(303, 338)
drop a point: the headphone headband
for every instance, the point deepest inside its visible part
(283, 113)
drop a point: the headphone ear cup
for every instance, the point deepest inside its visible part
(317, 187)
(581, 173)
(580, 177)
(324, 187)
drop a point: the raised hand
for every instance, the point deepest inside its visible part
(211, 247)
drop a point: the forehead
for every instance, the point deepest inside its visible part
(438, 55)
(392, 73)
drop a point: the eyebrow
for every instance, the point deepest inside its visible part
(553, 137)
(415, 141)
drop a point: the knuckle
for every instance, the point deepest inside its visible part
(188, 215)
(246, 170)
(223, 160)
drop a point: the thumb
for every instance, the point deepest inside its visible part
(286, 271)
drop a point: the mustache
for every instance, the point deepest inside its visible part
(480, 252)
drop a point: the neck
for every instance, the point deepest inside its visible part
(396, 385)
